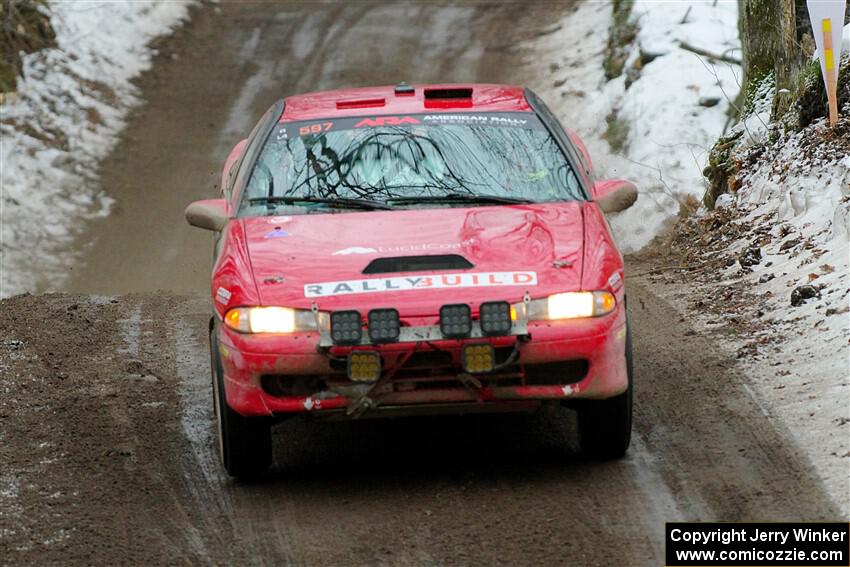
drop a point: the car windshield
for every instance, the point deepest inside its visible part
(408, 161)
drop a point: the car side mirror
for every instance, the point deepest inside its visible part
(615, 195)
(210, 214)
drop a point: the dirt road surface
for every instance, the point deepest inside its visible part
(106, 422)
(106, 440)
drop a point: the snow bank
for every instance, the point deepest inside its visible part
(768, 275)
(669, 132)
(789, 220)
(62, 121)
(799, 191)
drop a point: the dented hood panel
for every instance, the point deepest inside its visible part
(514, 249)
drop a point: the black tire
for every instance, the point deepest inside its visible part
(245, 443)
(605, 426)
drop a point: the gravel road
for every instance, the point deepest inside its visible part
(106, 440)
(106, 422)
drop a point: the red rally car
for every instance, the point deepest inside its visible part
(414, 249)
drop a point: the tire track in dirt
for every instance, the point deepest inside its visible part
(747, 469)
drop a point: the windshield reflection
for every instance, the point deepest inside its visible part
(341, 159)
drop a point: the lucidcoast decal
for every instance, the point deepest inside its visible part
(411, 283)
(402, 248)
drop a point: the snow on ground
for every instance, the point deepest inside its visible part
(669, 132)
(795, 186)
(798, 194)
(64, 118)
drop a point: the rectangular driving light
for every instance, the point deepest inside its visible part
(455, 321)
(495, 318)
(346, 328)
(364, 366)
(478, 358)
(384, 325)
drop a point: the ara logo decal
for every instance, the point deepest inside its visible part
(486, 279)
(387, 121)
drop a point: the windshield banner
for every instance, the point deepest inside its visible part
(524, 120)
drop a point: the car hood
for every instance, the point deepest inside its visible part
(301, 259)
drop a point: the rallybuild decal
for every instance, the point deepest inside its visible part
(409, 283)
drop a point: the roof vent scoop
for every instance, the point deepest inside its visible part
(417, 264)
(448, 97)
(403, 89)
(448, 93)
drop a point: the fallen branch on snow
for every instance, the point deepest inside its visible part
(699, 51)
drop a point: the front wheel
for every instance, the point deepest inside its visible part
(605, 426)
(245, 443)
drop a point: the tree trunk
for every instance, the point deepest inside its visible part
(788, 58)
(768, 31)
(756, 26)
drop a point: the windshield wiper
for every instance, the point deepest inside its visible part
(340, 202)
(461, 198)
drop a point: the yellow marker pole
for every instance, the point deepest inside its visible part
(829, 64)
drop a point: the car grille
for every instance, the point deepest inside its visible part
(435, 369)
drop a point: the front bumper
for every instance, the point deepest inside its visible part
(590, 352)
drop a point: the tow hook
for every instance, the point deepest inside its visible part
(360, 406)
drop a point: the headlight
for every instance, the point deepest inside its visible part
(579, 304)
(270, 320)
(570, 305)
